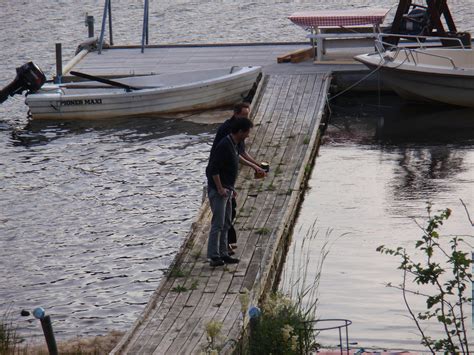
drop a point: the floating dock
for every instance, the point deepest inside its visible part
(287, 112)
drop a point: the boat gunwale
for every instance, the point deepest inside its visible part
(242, 73)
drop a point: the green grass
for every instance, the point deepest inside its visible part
(9, 338)
(263, 231)
(177, 271)
(194, 285)
(179, 289)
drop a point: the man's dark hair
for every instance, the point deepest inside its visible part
(241, 124)
(240, 106)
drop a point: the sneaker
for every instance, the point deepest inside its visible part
(230, 260)
(216, 262)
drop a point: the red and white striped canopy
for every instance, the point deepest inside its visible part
(355, 17)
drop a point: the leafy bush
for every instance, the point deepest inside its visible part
(446, 268)
(282, 328)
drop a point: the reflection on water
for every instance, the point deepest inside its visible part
(126, 129)
(430, 142)
(376, 170)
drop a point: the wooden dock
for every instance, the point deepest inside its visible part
(287, 113)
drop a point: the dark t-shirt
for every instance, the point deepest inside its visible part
(224, 161)
(224, 130)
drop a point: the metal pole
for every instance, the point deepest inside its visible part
(147, 18)
(145, 25)
(59, 63)
(347, 337)
(110, 24)
(49, 335)
(102, 30)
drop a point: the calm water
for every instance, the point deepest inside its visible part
(377, 169)
(92, 213)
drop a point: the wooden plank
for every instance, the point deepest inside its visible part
(302, 55)
(296, 56)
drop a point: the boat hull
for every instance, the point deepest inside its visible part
(102, 104)
(453, 87)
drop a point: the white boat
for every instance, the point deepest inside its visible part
(433, 74)
(143, 95)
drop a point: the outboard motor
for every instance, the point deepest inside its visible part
(28, 77)
(416, 22)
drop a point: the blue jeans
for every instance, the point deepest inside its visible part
(221, 207)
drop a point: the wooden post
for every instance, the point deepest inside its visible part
(59, 63)
(90, 25)
(435, 18)
(403, 7)
(444, 9)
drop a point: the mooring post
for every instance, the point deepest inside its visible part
(90, 25)
(47, 326)
(49, 335)
(59, 63)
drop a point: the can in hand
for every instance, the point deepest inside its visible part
(265, 166)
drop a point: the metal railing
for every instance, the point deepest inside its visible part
(381, 47)
(317, 326)
(108, 13)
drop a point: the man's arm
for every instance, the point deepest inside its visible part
(254, 165)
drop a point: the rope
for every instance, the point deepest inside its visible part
(358, 82)
(380, 65)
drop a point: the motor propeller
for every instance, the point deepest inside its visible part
(28, 77)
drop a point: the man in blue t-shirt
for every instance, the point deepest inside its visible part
(221, 173)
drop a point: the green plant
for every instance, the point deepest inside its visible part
(263, 231)
(179, 288)
(306, 140)
(446, 269)
(9, 338)
(194, 285)
(271, 187)
(213, 330)
(280, 328)
(177, 271)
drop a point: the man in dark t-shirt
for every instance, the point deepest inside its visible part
(241, 109)
(221, 173)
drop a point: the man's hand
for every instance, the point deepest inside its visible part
(259, 170)
(223, 192)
